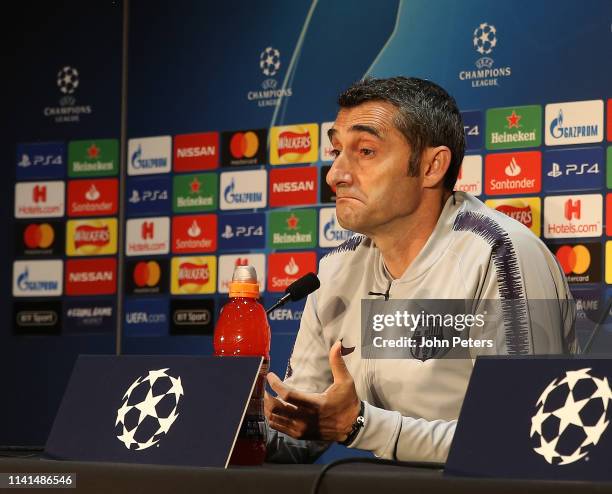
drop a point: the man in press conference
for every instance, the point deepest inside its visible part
(398, 146)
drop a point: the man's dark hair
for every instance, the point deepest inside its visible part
(427, 116)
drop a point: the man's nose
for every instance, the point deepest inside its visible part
(339, 173)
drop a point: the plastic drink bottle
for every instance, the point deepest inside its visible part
(243, 330)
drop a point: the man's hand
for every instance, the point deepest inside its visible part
(327, 416)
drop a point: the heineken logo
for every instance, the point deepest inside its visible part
(93, 157)
(195, 192)
(516, 127)
(292, 229)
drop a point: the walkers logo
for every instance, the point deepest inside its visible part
(574, 122)
(327, 193)
(91, 277)
(41, 160)
(485, 38)
(89, 317)
(513, 173)
(192, 316)
(94, 157)
(581, 263)
(472, 128)
(573, 169)
(293, 186)
(39, 239)
(228, 263)
(145, 236)
(195, 192)
(243, 190)
(91, 237)
(245, 147)
(39, 199)
(149, 155)
(331, 234)
(146, 316)
(609, 262)
(68, 81)
(148, 195)
(292, 229)
(193, 275)
(573, 216)
(194, 233)
(193, 152)
(514, 127)
(270, 63)
(147, 276)
(470, 175)
(35, 317)
(242, 231)
(292, 144)
(92, 197)
(37, 278)
(326, 147)
(284, 268)
(526, 210)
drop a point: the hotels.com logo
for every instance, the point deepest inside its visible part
(148, 236)
(573, 216)
(39, 199)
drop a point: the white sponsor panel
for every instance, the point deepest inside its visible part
(326, 147)
(37, 278)
(145, 236)
(243, 190)
(331, 234)
(470, 175)
(149, 155)
(574, 122)
(39, 199)
(573, 216)
(229, 262)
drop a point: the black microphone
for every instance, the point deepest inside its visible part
(299, 289)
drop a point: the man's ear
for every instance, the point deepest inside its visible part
(435, 163)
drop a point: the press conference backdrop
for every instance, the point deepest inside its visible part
(228, 105)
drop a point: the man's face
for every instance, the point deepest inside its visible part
(370, 171)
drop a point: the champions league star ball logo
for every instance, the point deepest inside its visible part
(269, 61)
(485, 38)
(68, 80)
(148, 410)
(572, 415)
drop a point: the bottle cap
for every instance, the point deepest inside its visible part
(244, 282)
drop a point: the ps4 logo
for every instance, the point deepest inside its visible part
(242, 231)
(39, 160)
(148, 196)
(573, 169)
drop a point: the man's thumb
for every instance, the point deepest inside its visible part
(337, 365)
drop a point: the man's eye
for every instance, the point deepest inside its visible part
(366, 151)
(335, 153)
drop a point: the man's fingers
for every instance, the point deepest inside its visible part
(290, 395)
(337, 365)
(275, 405)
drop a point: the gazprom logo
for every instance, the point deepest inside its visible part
(41, 278)
(139, 163)
(243, 189)
(574, 122)
(334, 234)
(149, 155)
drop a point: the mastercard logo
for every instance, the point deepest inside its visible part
(147, 274)
(244, 145)
(576, 259)
(38, 236)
